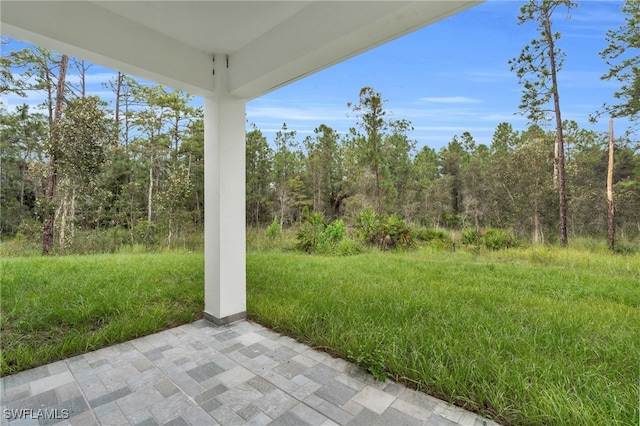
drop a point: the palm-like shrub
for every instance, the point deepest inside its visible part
(312, 226)
(368, 226)
(331, 237)
(398, 230)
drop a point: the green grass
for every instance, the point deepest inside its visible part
(528, 337)
(55, 307)
(538, 336)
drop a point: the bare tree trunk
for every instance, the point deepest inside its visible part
(47, 233)
(150, 196)
(127, 129)
(536, 229)
(556, 155)
(61, 212)
(83, 78)
(118, 90)
(82, 68)
(560, 139)
(66, 211)
(611, 229)
(72, 214)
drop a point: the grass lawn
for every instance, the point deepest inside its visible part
(526, 337)
(52, 308)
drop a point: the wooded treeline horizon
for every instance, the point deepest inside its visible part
(135, 167)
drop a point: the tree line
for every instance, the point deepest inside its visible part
(508, 184)
(134, 167)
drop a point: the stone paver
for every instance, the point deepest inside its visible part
(200, 374)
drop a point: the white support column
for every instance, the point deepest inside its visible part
(224, 202)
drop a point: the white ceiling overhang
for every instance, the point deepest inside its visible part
(268, 43)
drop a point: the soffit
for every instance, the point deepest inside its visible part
(268, 43)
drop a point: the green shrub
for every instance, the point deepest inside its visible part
(30, 228)
(333, 233)
(492, 238)
(496, 239)
(433, 234)
(397, 228)
(273, 232)
(330, 237)
(453, 221)
(368, 226)
(312, 226)
(388, 232)
(471, 236)
(146, 232)
(349, 247)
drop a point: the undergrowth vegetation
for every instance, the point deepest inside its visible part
(368, 230)
(145, 237)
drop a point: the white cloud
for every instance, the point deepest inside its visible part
(459, 129)
(499, 116)
(439, 113)
(11, 101)
(297, 112)
(498, 74)
(91, 78)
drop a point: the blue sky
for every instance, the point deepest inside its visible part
(448, 78)
(454, 76)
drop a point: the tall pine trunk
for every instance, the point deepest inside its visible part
(50, 216)
(611, 229)
(117, 106)
(559, 149)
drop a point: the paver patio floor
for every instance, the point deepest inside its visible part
(200, 374)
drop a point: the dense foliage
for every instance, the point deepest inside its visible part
(127, 173)
(131, 172)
